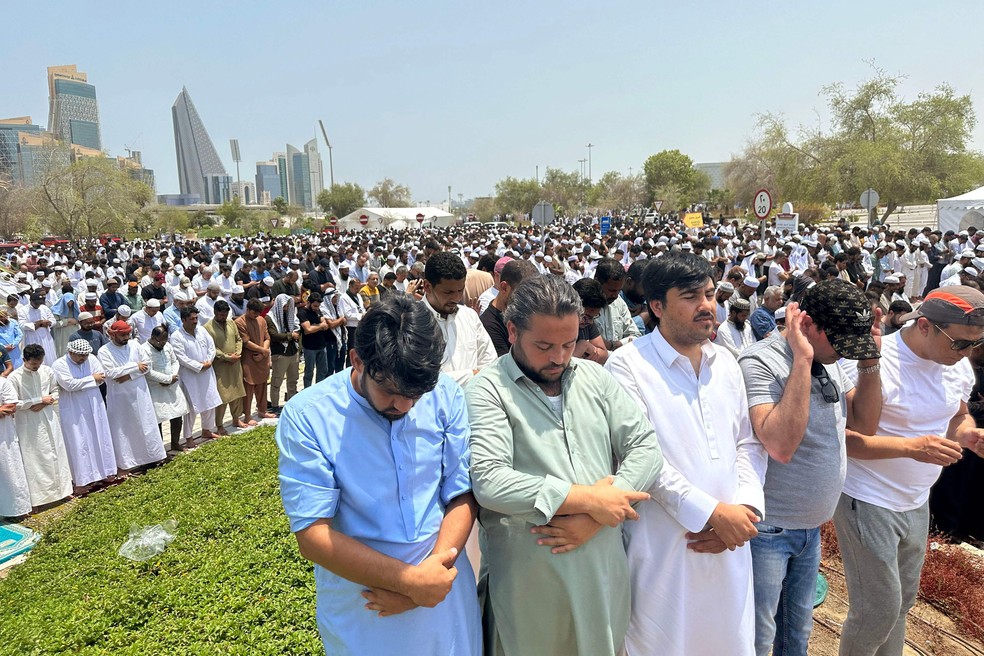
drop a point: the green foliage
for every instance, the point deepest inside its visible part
(88, 197)
(909, 151)
(231, 583)
(344, 198)
(173, 220)
(232, 213)
(615, 190)
(516, 197)
(280, 205)
(388, 193)
(670, 175)
(563, 189)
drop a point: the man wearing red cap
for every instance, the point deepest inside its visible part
(882, 518)
(132, 420)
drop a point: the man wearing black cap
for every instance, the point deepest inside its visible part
(882, 518)
(799, 402)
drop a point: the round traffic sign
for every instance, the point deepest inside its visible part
(420, 218)
(762, 204)
(333, 220)
(869, 199)
(364, 220)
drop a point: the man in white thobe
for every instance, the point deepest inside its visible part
(82, 415)
(736, 334)
(195, 351)
(468, 347)
(36, 320)
(691, 575)
(144, 321)
(42, 446)
(15, 495)
(132, 421)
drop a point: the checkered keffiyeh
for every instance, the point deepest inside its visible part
(79, 347)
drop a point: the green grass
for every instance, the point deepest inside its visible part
(231, 583)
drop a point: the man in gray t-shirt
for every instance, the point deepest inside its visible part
(799, 404)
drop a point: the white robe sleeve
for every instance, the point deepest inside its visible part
(68, 382)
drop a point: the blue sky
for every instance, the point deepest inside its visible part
(433, 94)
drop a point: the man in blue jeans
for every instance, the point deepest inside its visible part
(799, 403)
(314, 330)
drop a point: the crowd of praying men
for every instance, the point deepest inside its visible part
(104, 345)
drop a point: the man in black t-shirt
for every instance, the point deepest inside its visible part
(512, 274)
(590, 344)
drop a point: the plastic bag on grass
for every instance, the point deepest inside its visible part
(149, 541)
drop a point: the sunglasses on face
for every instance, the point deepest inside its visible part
(961, 344)
(827, 387)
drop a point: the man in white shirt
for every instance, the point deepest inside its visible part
(735, 334)
(468, 346)
(615, 321)
(687, 559)
(882, 518)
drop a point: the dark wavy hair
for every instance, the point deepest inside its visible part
(398, 341)
(685, 272)
(444, 266)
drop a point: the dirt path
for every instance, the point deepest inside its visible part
(929, 631)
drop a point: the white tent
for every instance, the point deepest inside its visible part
(395, 218)
(961, 212)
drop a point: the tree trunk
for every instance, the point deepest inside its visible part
(889, 208)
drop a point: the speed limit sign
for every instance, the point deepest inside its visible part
(762, 204)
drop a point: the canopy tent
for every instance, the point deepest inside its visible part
(395, 218)
(961, 212)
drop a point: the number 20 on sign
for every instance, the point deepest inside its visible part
(762, 204)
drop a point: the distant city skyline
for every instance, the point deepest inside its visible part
(436, 94)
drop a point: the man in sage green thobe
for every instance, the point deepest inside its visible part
(545, 431)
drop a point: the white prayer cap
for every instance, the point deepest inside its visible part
(970, 271)
(751, 282)
(269, 281)
(238, 289)
(891, 280)
(123, 311)
(966, 253)
(91, 296)
(153, 303)
(214, 285)
(726, 287)
(84, 315)
(781, 313)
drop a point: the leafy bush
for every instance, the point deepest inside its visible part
(953, 578)
(231, 583)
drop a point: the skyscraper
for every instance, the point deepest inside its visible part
(268, 180)
(299, 178)
(303, 174)
(200, 171)
(73, 115)
(314, 165)
(11, 130)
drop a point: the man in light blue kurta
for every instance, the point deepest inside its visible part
(559, 454)
(374, 478)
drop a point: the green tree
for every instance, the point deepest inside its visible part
(232, 213)
(343, 198)
(564, 189)
(907, 150)
(483, 208)
(173, 220)
(388, 193)
(88, 197)
(15, 210)
(280, 205)
(516, 197)
(670, 173)
(613, 190)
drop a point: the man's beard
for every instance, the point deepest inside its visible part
(740, 325)
(533, 374)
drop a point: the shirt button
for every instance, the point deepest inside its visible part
(401, 467)
(404, 497)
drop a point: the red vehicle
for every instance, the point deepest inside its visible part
(107, 239)
(53, 240)
(10, 247)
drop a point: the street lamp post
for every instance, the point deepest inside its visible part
(589, 147)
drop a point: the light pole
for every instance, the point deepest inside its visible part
(331, 164)
(582, 161)
(589, 147)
